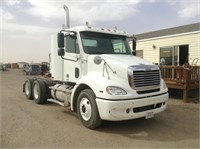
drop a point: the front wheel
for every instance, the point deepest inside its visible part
(87, 109)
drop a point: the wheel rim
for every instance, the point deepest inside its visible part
(85, 109)
(27, 88)
(36, 91)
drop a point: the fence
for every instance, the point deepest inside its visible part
(178, 77)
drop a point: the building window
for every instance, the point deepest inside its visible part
(174, 55)
(139, 53)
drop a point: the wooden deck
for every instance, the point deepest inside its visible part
(177, 77)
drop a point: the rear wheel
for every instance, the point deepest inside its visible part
(87, 109)
(48, 83)
(28, 88)
(39, 91)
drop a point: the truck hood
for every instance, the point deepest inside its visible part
(112, 70)
(124, 60)
(116, 66)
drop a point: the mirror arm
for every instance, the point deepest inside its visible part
(69, 59)
(68, 31)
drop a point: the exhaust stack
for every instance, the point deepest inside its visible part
(66, 25)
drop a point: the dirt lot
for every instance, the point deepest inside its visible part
(25, 124)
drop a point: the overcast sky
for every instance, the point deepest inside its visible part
(26, 25)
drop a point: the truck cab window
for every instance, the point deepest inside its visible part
(71, 45)
(119, 46)
(101, 43)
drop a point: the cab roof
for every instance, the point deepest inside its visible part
(99, 30)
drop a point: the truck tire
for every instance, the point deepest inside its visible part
(28, 88)
(48, 83)
(87, 109)
(39, 91)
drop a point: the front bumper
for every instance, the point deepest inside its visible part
(131, 109)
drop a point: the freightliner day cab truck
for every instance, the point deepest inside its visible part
(95, 73)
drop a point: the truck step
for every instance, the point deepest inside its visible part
(56, 101)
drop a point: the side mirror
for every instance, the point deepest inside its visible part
(61, 52)
(134, 52)
(134, 46)
(60, 38)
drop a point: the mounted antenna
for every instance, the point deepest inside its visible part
(67, 17)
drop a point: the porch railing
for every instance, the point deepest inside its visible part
(180, 77)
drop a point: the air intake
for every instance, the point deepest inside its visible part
(144, 77)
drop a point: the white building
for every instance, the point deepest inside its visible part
(22, 64)
(172, 46)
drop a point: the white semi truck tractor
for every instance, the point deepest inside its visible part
(95, 73)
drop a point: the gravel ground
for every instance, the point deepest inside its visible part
(25, 124)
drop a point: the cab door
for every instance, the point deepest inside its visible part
(71, 59)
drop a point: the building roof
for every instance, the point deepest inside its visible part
(169, 31)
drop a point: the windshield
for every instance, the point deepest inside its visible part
(100, 43)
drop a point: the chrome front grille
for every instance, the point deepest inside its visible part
(145, 77)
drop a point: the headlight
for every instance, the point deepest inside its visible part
(113, 90)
